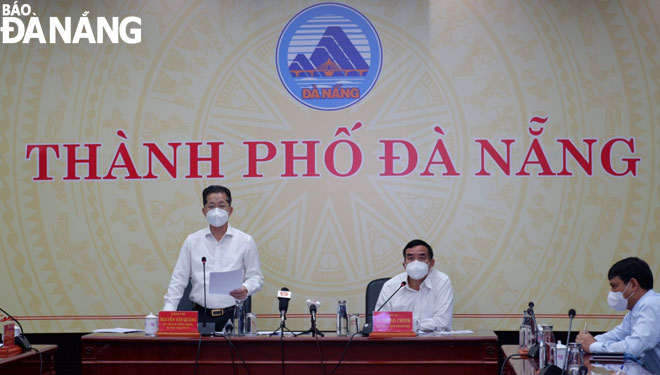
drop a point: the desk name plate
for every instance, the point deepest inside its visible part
(177, 323)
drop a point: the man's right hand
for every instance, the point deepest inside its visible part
(585, 339)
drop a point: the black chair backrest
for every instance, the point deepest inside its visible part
(371, 297)
(185, 304)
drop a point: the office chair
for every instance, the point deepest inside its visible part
(371, 297)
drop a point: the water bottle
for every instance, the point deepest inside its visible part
(250, 324)
(542, 351)
(342, 319)
(239, 318)
(548, 345)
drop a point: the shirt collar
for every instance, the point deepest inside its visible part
(638, 305)
(427, 281)
(230, 231)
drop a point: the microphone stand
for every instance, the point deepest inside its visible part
(282, 326)
(366, 328)
(571, 315)
(556, 370)
(205, 330)
(534, 349)
(313, 330)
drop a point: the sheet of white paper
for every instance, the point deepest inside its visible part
(116, 330)
(450, 333)
(225, 282)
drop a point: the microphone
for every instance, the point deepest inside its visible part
(313, 305)
(367, 327)
(21, 340)
(555, 370)
(203, 328)
(284, 295)
(534, 349)
(403, 283)
(571, 315)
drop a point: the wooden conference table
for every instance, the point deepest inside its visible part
(128, 354)
(528, 366)
(29, 362)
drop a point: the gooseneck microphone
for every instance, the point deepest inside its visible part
(555, 370)
(571, 315)
(403, 283)
(203, 328)
(534, 349)
(20, 340)
(368, 327)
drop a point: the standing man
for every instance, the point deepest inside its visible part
(225, 249)
(631, 281)
(428, 292)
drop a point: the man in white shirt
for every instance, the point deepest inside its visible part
(428, 292)
(225, 249)
(631, 282)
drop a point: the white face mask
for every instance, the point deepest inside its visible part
(217, 217)
(617, 301)
(416, 270)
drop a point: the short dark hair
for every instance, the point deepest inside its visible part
(417, 242)
(215, 189)
(631, 267)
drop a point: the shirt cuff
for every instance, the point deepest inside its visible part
(169, 307)
(597, 347)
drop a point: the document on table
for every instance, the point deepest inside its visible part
(116, 330)
(225, 282)
(451, 333)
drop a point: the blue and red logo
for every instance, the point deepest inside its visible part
(329, 56)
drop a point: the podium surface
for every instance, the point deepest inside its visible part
(129, 354)
(29, 362)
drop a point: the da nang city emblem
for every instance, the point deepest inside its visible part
(329, 56)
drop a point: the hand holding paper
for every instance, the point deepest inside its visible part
(226, 282)
(240, 293)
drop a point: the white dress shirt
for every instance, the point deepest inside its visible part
(433, 304)
(638, 334)
(235, 250)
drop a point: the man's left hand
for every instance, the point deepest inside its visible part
(586, 340)
(239, 294)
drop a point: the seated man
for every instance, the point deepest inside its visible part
(428, 292)
(631, 281)
(225, 248)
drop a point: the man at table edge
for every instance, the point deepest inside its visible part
(631, 282)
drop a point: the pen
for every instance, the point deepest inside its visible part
(620, 369)
(585, 328)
